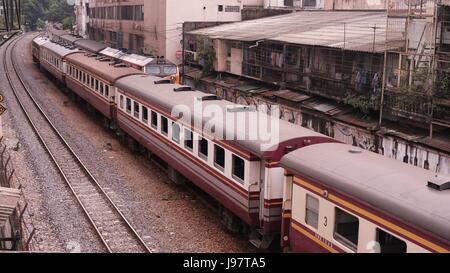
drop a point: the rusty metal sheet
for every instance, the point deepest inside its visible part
(291, 95)
(324, 106)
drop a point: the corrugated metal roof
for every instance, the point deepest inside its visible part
(324, 106)
(350, 30)
(8, 202)
(291, 95)
(129, 58)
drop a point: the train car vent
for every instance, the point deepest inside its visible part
(183, 88)
(120, 65)
(211, 97)
(439, 183)
(244, 108)
(163, 82)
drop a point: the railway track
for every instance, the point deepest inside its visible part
(114, 230)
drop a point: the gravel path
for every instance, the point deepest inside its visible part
(167, 217)
(60, 223)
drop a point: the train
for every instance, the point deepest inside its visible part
(156, 66)
(302, 189)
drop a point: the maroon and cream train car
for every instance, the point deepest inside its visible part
(36, 47)
(339, 198)
(232, 170)
(52, 57)
(92, 78)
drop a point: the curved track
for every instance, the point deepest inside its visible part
(114, 230)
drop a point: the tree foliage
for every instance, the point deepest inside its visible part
(206, 55)
(35, 12)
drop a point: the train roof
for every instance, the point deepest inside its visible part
(90, 45)
(71, 38)
(394, 187)
(59, 50)
(126, 57)
(104, 69)
(164, 97)
(40, 40)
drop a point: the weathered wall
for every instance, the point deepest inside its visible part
(390, 146)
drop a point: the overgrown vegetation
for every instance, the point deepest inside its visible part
(363, 103)
(206, 55)
(36, 12)
(442, 85)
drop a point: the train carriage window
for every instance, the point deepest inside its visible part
(84, 78)
(136, 109)
(154, 120)
(203, 148)
(346, 229)
(188, 139)
(101, 88)
(106, 90)
(312, 211)
(164, 125)
(96, 86)
(176, 132)
(219, 157)
(389, 243)
(88, 79)
(144, 114)
(121, 102)
(238, 169)
(128, 106)
(92, 83)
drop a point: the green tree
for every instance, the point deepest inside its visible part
(206, 55)
(57, 11)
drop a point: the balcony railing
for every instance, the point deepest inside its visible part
(413, 106)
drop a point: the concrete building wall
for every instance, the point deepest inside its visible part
(82, 18)
(155, 26)
(162, 27)
(199, 11)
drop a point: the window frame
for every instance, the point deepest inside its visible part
(340, 238)
(128, 105)
(164, 125)
(200, 153)
(154, 120)
(316, 226)
(233, 165)
(176, 139)
(136, 109)
(145, 111)
(216, 164)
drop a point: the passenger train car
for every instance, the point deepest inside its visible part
(345, 199)
(156, 66)
(317, 194)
